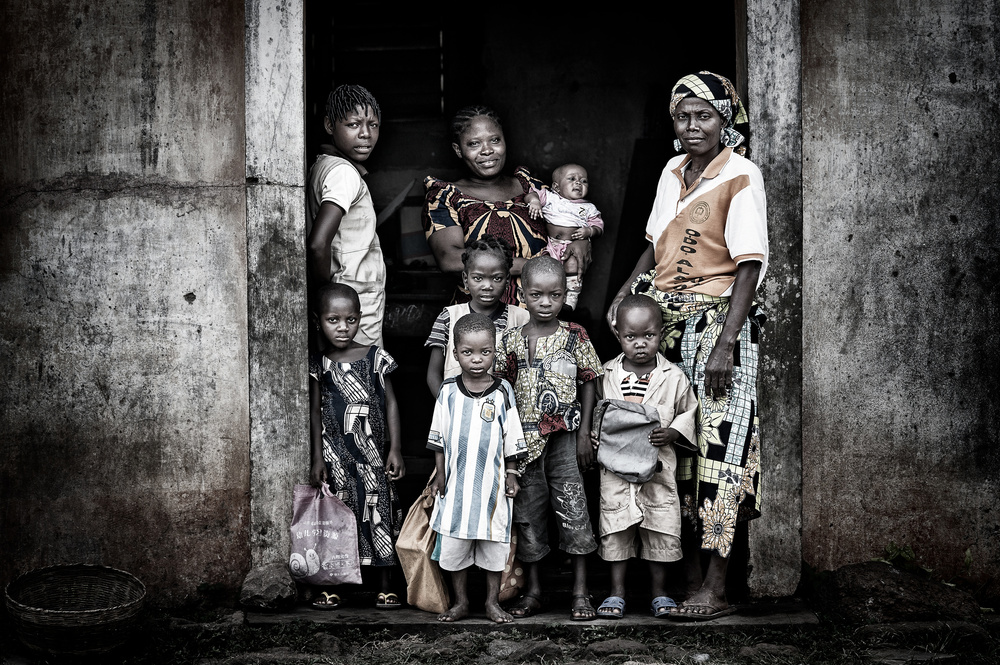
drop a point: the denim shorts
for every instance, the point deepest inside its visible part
(554, 478)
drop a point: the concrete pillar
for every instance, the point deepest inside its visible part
(275, 214)
(124, 406)
(774, 79)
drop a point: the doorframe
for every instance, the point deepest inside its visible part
(768, 71)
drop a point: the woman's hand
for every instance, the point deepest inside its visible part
(612, 316)
(719, 371)
(580, 250)
(645, 263)
(719, 366)
(394, 466)
(317, 473)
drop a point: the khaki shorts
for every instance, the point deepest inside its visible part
(621, 545)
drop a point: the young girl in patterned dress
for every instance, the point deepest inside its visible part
(352, 405)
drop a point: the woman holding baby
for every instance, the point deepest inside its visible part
(486, 202)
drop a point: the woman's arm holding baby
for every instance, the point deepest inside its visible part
(447, 245)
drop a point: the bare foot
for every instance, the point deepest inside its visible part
(456, 612)
(496, 614)
(703, 603)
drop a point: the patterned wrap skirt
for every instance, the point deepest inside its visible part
(720, 486)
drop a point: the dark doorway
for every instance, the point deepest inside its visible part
(593, 91)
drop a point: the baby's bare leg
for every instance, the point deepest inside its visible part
(574, 284)
(460, 608)
(493, 609)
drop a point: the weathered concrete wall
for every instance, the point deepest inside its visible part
(275, 173)
(124, 407)
(774, 83)
(900, 311)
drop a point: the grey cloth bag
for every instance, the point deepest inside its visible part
(623, 431)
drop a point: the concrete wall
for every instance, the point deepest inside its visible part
(275, 173)
(123, 317)
(900, 311)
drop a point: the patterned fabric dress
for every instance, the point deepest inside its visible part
(353, 406)
(445, 205)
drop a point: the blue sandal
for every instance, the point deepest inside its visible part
(611, 603)
(661, 606)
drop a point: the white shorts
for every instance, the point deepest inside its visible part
(460, 553)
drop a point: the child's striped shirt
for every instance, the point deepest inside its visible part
(477, 434)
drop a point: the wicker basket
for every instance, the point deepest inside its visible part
(78, 609)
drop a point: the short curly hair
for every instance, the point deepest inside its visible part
(332, 290)
(542, 265)
(638, 301)
(473, 323)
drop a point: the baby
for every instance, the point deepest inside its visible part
(568, 217)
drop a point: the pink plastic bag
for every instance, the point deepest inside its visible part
(324, 539)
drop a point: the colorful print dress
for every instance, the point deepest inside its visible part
(445, 205)
(353, 406)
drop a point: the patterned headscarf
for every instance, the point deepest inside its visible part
(720, 93)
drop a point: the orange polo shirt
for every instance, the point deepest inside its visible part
(700, 234)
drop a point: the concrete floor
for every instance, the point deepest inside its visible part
(408, 620)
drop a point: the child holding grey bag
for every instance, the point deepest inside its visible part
(638, 488)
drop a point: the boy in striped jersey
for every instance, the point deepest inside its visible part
(477, 440)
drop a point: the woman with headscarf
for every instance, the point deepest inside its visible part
(707, 256)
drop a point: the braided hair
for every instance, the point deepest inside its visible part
(460, 122)
(489, 244)
(345, 99)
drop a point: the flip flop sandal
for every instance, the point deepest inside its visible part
(612, 603)
(573, 613)
(701, 616)
(524, 608)
(326, 601)
(388, 601)
(661, 606)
